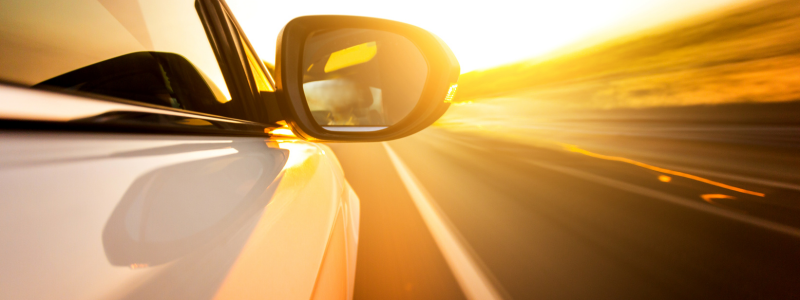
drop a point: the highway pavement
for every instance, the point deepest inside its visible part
(583, 210)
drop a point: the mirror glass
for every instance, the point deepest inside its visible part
(361, 79)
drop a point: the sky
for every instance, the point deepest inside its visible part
(482, 34)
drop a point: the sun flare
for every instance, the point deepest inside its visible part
(481, 35)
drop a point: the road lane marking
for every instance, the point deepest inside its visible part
(573, 148)
(710, 197)
(742, 178)
(473, 282)
(672, 199)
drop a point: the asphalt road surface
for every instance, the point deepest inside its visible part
(614, 212)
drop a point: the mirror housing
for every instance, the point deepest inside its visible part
(442, 75)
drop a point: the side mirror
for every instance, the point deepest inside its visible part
(344, 78)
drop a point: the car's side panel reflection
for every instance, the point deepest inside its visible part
(300, 218)
(175, 210)
(87, 216)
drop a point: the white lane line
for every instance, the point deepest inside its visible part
(474, 283)
(795, 232)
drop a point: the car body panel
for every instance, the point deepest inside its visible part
(140, 216)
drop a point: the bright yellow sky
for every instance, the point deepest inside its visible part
(482, 34)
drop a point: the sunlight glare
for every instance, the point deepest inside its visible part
(481, 35)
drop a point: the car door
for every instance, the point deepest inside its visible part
(144, 163)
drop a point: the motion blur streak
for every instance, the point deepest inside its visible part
(662, 165)
(655, 194)
(573, 148)
(470, 277)
(748, 54)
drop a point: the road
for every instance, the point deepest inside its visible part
(588, 210)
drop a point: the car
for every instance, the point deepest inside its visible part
(146, 151)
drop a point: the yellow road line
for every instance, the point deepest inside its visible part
(573, 148)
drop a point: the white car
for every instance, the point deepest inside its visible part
(147, 153)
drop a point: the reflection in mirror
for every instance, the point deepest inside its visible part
(361, 79)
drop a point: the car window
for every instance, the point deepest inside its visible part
(150, 51)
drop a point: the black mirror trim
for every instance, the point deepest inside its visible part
(443, 71)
